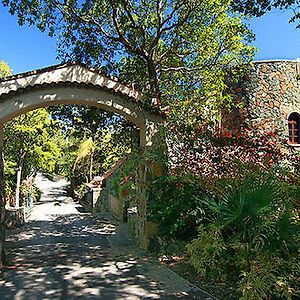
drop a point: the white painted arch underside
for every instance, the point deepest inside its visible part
(77, 85)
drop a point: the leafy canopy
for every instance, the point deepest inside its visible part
(29, 143)
(4, 69)
(180, 48)
(258, 8)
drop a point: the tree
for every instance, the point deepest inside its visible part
(29, 146)
(4, 71)
(86, 150)
(95, 140)
(81, 120)
(176, 49)
(258, 8)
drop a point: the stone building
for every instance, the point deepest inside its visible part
(270, 94)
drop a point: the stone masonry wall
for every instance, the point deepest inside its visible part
(270, 93)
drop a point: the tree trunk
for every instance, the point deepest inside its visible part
(91, 165)
(19, 174)
(153, 76)
(19, 177)
(2, 202)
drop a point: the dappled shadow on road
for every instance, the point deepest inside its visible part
(63, 253)
(53, 195)
(69, 258)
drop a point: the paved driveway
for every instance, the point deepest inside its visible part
(64, 253)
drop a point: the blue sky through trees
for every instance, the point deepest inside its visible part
(26, 48)
(275, 37)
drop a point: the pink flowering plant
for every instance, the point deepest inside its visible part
(218, 154)
(228, 196)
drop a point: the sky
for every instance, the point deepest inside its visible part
(26, 48)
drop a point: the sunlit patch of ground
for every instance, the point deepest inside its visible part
(64, 254)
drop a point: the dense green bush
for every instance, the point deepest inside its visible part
(178, 205)
(242, 196)
(253, 237)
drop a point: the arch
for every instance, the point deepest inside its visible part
(75, 84)
(294, 128)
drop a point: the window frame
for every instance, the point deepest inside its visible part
(294, 129)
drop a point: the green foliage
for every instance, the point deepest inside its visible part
(76, 142)
(179, 50)
(4, 69)
(86, 149)
(30, 135)
(268, 275)
(111, 134)
(124, 176)
(29, 146)
(29, 188)
(80, 121)
(115, 143)
(258, 8)
(207, 251)
(253, 235)
(239, 211)
(178, 205)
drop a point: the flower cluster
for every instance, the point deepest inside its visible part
(223, 154)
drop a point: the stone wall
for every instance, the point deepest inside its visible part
(90, 197)
(14, 217)
(270, 93)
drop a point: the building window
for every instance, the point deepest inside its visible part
(294, 126)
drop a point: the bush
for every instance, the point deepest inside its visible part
(178, 205)
(29, 188)
(254, 236)
(243, 201)
(222, 155)
(207, 251)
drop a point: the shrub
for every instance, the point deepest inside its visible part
(29, 188)
(177, 204)
(245, 204)
(207, 251)
(257, 239)
(222, 155)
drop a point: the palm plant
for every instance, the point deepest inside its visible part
(257, 240)
(240, 210)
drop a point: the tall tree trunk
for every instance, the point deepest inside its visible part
(19, 177)
(2, 201)
(91, 165)
(19, 174)
(153, 76)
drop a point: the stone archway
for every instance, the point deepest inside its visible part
(75, 84)
(71, 83)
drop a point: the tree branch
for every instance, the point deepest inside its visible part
(177, 69)
(134, 25)
(122, 37)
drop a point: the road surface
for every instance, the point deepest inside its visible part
(64, 253)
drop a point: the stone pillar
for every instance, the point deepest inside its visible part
(153, 140)
(143, 141)
(147, 133)
(2, 199)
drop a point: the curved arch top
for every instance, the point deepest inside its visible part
(74, 84)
